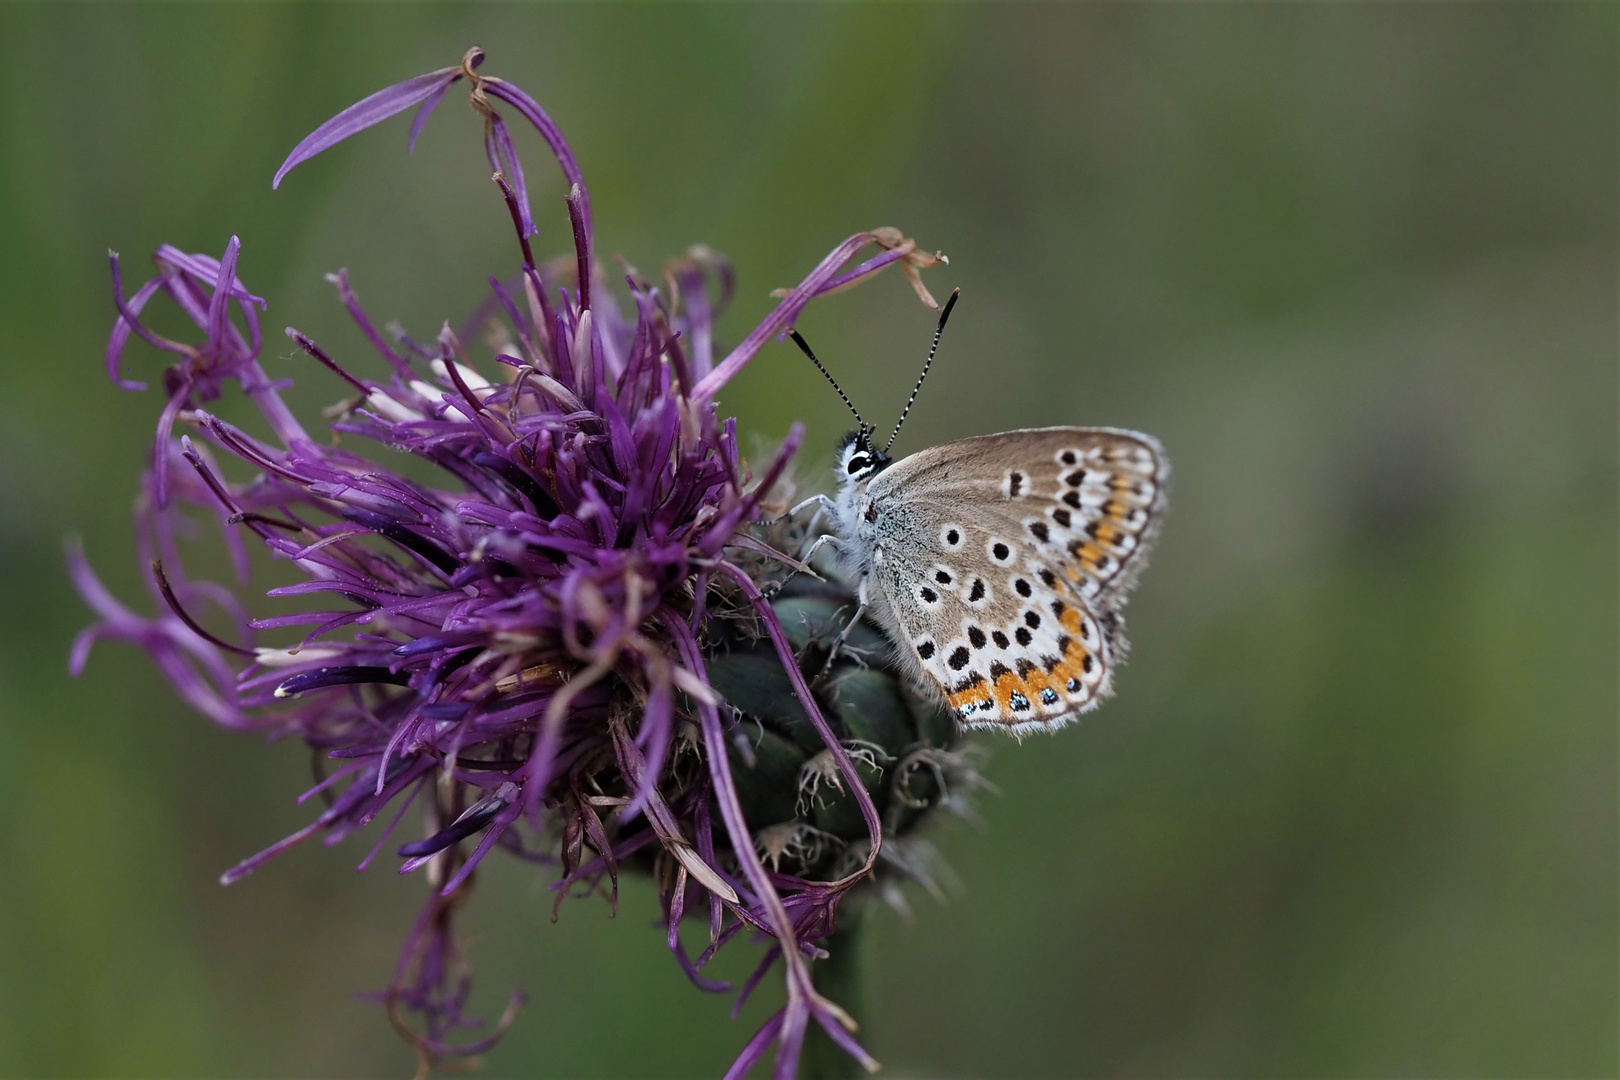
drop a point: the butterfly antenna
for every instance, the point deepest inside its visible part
(805, 348)
(938, 330)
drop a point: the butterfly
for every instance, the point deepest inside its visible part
(999, 564)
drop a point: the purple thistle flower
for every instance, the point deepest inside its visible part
(523, 650)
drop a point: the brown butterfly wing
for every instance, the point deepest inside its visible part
(1006, 559)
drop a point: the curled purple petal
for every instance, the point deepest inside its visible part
(548, 129)
(121, 330)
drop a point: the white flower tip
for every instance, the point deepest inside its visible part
(474, 381)
(274, 658)
(389, 409)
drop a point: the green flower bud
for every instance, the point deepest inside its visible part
(905, 745)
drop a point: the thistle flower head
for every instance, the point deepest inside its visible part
(537, 647)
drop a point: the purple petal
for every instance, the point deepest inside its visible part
(351, 301)
(506, 161)
(501, 824)
(253, 862)
(781, 317)
(579, 215)
(128, 318)
(534, 114)
(425, 110)
(865, 269)
(120, 335)
(79, 656)
(205, 268)
(790, 1042)
(369, 112)
(92, 591)
(844, 1039)
(755, 1050)
(220, 304)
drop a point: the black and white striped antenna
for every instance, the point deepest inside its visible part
(805, 347)
(938, 330)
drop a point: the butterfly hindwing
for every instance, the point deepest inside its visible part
(1004, 562)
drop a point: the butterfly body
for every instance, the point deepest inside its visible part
(999, 564)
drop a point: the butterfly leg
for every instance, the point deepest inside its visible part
(824, 538)
(820, 502)
(803, 566)
(804, 560)
(843, 635)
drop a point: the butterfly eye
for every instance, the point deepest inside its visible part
(859, 463)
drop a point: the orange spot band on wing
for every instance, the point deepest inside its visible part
(972, 693)
(1090, 555)
(1006, 684)
(1073, 664)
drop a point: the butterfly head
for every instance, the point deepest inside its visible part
(858, 459)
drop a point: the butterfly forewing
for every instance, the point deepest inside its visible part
(1005, 559)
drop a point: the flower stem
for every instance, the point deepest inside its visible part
(839, 978)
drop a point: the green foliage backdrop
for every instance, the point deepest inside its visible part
(1354, 811)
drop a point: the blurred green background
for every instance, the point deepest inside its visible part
(1354, 810)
